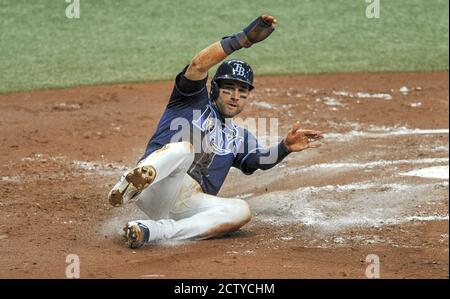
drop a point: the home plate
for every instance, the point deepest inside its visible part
(436, 172)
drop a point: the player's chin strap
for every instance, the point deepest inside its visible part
(256, 31)
(214, 93)
(214, 108)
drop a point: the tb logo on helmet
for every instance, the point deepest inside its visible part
(238, 70)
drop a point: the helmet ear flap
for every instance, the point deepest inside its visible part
(214, 94)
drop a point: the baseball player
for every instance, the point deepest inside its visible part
(196, 142)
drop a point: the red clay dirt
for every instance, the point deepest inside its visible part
(62, 151)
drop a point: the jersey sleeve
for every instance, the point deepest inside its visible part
(252, 156)
(185, 91)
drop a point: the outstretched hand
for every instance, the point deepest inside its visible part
(258, 30)
(269, 19)
(300, 139)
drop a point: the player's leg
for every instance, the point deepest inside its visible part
(157, 200)
(204, 216)
(194, 216)
(172, 158)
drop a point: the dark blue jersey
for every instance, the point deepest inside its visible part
(219, 144)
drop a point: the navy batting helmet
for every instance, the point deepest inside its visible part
(236, 70)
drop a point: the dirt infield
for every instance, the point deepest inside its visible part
(316, 215)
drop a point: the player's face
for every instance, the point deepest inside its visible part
(232, 98)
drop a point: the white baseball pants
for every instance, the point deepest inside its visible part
(176, 205)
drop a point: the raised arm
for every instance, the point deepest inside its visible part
(204, 60)
(255, 32)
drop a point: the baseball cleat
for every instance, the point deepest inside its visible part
(136, 234)
(130, 183)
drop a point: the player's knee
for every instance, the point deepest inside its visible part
(238, 213)
(233, 215)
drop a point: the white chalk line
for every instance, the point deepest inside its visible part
(371, 164)
(364, 95)
(317, 220)
(427, 218)
(375, 205)
(435, 172)
(383, 134)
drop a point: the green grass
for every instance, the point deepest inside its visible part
(142, 40)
